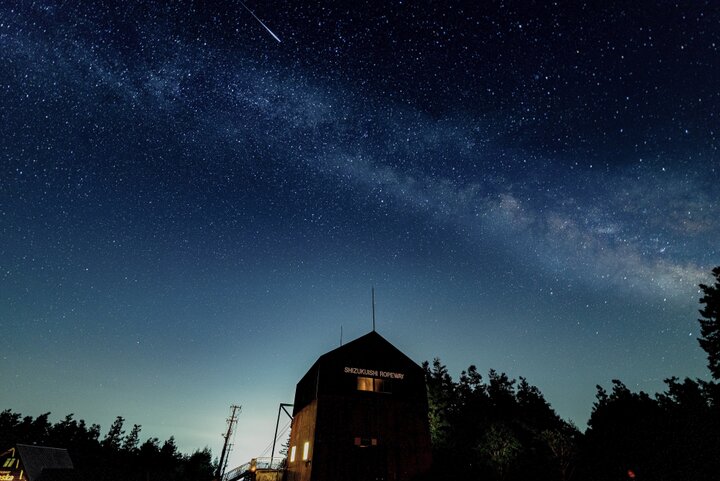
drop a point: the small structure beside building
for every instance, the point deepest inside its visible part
(360, 414)
(257, 469)
(26, 462)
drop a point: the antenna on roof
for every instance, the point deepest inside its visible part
(373, 307)
(340, 335)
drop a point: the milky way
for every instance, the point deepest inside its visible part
(190, 209)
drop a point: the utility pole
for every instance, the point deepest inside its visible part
(231, 421)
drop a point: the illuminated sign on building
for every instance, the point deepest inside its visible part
(360, 413)
(374, 373)
(10, 467)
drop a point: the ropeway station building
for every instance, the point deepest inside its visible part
(360, 414)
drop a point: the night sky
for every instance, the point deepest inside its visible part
(191, 209)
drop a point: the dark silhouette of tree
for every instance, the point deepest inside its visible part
(9, 422)
(692, 419)
(620, 435)
(440, 399)
(534, 408)
(64, 432)
(710, 323)
(563, 446)
(167, 460)
(35, 431)
(501, 447)
(115, 458)
(199, 465)
(169, 449)
(148, 453)
(150, 448)
(672, 436)
(491, 430)
(130, 444)
(93, 432)
(502, 394)
(470, 417)
(114, 437)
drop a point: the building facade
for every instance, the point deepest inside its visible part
(360, 414)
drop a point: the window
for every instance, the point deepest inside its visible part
(292, 453)
(381, 385)
(306, 450)
(365, 442)
(373, 384)
(365, 384)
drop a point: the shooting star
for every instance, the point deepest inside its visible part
(261, 22)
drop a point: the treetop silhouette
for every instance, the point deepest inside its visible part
(710, 323)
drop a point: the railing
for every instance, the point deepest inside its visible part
(260, 463)
(236, 473)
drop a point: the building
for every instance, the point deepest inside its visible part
(35, 463)
(360, 414)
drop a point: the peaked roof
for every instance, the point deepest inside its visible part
(372, 341)
(36, 458)
(371, 351)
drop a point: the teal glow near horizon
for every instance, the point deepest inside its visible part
(191, 210)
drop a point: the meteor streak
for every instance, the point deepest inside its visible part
(261, 22)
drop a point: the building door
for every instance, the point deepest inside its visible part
(370, 464)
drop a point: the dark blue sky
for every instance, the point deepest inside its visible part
(190, 210)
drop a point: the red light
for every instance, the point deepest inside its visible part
(631, 474)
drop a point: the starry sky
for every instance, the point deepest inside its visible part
(191, 209)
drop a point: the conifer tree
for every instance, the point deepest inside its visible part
(710, 323)
(132, 440)
(115, 435)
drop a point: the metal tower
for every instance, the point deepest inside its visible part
(227, 447)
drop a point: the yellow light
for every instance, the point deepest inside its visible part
(306, 450)
(365, 384)
(292, 453)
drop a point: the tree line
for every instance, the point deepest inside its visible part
(501, 429)
(116, 456)
(494, 428)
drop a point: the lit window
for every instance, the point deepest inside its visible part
(373, 384)
(365, 384)
(292, 453)
(306, 450)
(380, 386)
